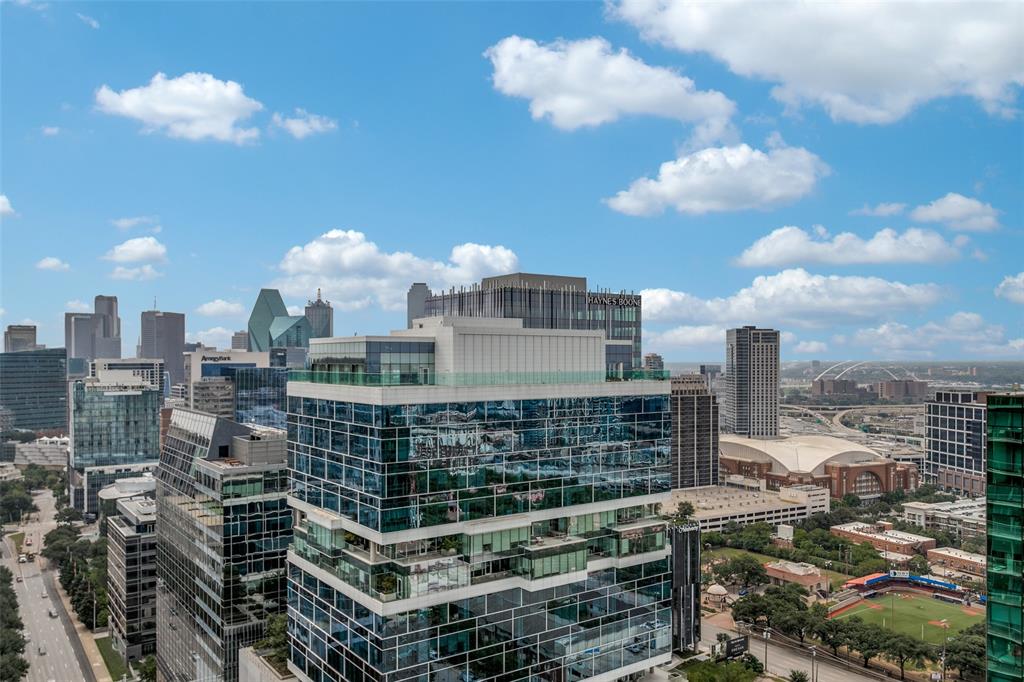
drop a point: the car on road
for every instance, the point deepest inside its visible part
(44, 595)
(22, 559)
(53, 613)
(42, 650)
(18, 579)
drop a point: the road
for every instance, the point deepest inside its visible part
(64, 659)
(782, 660)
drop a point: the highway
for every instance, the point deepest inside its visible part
(63, 660)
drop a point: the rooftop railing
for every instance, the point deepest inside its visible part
(430, 378)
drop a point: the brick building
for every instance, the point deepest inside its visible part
(883, 538)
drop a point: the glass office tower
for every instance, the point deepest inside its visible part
(1005, 517)
(260, 395)
(224, 528)
(34, 387)
(499, 530)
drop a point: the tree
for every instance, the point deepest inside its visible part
(902, 649)
(752, 663)
(867, 639)
(147, 669)
(684, 512)
(851, 500)
(276, 641)
(918, 565)
(35, 476)
(832, 634)
(967, 654)
(743, 568)
(68, 515)
(797, 676)
(795, 624)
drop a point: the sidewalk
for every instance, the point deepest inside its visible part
(92, 652)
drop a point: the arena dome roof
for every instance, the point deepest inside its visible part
(798, 454)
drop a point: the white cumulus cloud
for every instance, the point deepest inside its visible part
(193, 106)
(969, 331)
(5, 205)
(794, 297)
(584, 83)
(685, 336)
(867, 63)
(134, 221)
(1012, 288)
(303, 124)
(87, 20)
(50, 131)
(77, 306)
(141, 273)
(791, 246)
(52, 263)
(216, 337)
(810, 347)
(724, 179)
(959, 213)
(882, 210)
(220, 308)
(139, 249)
(354, 272)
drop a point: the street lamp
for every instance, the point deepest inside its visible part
(814, 670)
(767, 634)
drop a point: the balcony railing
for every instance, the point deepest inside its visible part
(431, 378)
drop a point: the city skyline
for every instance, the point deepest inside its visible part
(870, 221)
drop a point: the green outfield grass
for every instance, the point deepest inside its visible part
(907, 613)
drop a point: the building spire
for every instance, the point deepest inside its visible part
(318, 293)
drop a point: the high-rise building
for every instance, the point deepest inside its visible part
(19, 337)
(224, 528)
(240, 340)
(954, 441)
(210, 383)
(483, 504)
(270, 325)
(321, 317)
(1005, 518)
(150, 370)
(694, 433)
(752, 382)
(711, 375)
(902, 389)
(131, 577)
(34, 389)
(163, 336)
(260, 395)
(654, 362)
(94, 335)
(686, 586)
(544, 302)
(115, 431)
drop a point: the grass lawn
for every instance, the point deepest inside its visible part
(907, 613)
(115, 664)
(17, 539)
(835, 577)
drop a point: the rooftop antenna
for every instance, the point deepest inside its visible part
(318, 293)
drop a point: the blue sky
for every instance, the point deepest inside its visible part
(712, 157)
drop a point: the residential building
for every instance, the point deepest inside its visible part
(240, 340)
(902, 389)
(544, 302)
(270, 325)
(961, 518)
(482, 503)
(715, 507)
(654, 362)
(807, 576)
(34, 389)
(88, 336)
(1005, 560)
(115, 431)
(842, 466)
(150, 371)
(163, 336)
(752, 382)
(883, 538)
(694, 433)
(131, 577)
(19, 337)
(321, 317)
(224, 527)
(954, 441)
(821, 387)
(686, 586)
(953, 559)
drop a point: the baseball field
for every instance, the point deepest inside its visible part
(917, 615)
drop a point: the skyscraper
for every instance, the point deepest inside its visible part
(224, 528)
(1005, 519)
(108, 339)
(482, 504)
(240, 340)
(270, 325)
(88, 336)
(19, 337)
(543, 302)
(131, 577)
(163, 336)
(34, 389)
(752, 382)
(694, 433)
(955, 441)
(321, 317)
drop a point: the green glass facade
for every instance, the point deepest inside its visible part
(1005, 509)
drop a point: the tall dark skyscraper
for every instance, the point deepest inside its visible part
(34, 387)
(88, 336)
(19, 337)
(694, 433)
(163, 336)
(543, 302)
(321, 317)
(752, 382)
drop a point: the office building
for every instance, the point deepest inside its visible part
(240, 340)
(163, 336)
(654, 362)
(686, 586)
(19, 337)
(88, 336)
(260, 395)
(716, 507)
(115, 432)
(131, 577)
(752, 382)
(214, 379)
(1005, 560)
(270, 325)
(954, 441)
(694, 433)
(902, 389)
(544, 302)
(961, 518)
(484, 505)
(34, 389)
(150, 371)
(882, 537)
(224, 527)
(321, 317)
